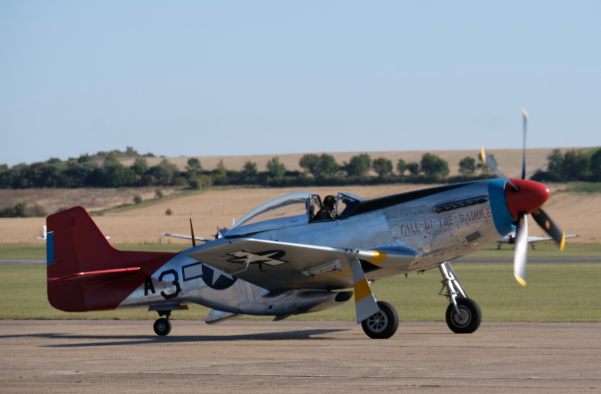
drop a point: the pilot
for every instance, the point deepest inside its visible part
(328, 210)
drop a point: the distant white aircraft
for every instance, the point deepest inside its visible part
(509, 239)
(44, 235)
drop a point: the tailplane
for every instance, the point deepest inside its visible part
(84, 271)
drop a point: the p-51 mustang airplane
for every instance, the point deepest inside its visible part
(278, 260)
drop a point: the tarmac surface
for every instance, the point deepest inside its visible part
(294, 357)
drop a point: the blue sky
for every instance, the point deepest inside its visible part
(274, 77)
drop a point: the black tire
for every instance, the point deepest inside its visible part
(469, 322)
(383, 324)
(162, 326)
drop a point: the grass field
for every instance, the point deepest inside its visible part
(556, 292)
(591, 187)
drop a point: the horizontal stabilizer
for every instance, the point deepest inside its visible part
(185, 236)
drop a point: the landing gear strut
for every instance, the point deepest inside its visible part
(463, 314)
(162, 325)
(378, 319)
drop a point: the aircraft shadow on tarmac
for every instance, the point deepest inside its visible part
(121, 340)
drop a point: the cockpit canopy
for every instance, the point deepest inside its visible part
(291, 204)
(290, 209)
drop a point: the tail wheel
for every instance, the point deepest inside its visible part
(162, 326)
(382, 324)
(469, 318)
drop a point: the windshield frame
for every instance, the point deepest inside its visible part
(344, 197)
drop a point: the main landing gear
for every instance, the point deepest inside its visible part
(378, 319)
(162, 325)
(463, 314)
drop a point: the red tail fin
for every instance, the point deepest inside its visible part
(78, 249)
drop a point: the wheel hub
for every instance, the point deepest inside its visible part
(463, 317)
(377, 322)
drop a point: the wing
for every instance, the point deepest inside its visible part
(282, 265)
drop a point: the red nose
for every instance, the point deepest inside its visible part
(530, 196)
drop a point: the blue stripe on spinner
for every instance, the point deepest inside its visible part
(498, 205)
(50, 248)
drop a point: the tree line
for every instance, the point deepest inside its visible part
(573, 165)
(106, 169)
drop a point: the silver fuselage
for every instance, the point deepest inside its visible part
(440, 226)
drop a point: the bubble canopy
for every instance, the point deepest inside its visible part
(290, 204)
(291, 209)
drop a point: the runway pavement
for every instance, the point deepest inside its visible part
(295, 357)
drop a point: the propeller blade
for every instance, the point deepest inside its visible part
(524, 130)
(520, 257)
(492, 164)
(545, 222)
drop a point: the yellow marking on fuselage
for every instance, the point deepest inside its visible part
(378, 258)
(362, 290)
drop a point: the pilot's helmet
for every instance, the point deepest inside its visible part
(329, 202)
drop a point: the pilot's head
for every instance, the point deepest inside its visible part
(329, 202)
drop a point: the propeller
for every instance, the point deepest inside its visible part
(524, 197)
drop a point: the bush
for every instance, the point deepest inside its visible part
(596, 165)
(200, 182)
(37, 211)
(413, 168)
(21, 210)
(168, 212)
(275, 169)
(137, 199)
(322, 166)
(432, 165)
(358, 166)
(467, 166)
(382, 166)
